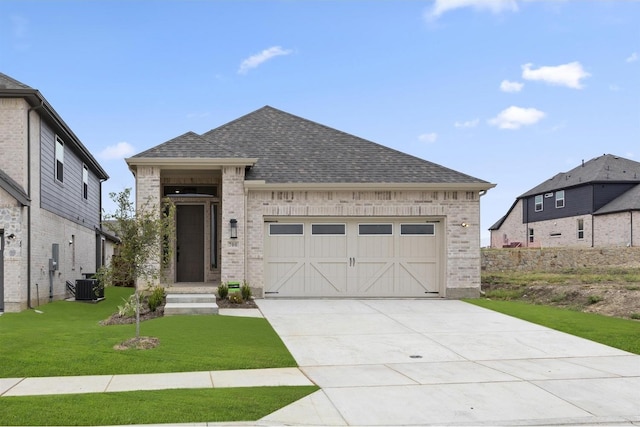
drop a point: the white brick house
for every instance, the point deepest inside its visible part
(297, 209)
(596, 204)
(50, 195)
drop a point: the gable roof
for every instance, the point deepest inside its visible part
(291, 149)
(607, 168)
(14, 189)
(11, 88)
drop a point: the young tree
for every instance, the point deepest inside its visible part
(146, 243)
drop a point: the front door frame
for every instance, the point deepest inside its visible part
(197, 237)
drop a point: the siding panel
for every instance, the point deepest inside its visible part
(65, 199)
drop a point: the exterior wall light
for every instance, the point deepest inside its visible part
(464, 224)
(233, 224)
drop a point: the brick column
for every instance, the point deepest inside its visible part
(148, 193)
(232, 262)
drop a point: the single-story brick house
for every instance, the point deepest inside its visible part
(298, 209)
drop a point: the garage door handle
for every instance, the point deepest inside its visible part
(352, 261)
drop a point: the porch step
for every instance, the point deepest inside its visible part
(184, 304)
(190, 298)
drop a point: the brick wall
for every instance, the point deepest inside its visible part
(553, 259)
(232, 250)
(462, 270)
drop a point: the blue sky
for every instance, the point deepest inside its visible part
(508, 91)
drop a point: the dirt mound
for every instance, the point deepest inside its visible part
(609, 299)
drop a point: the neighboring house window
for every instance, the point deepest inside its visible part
(85, 182)
(59, 159)
(539, 203)
(560, 199)
(580, 229)
(531, 235)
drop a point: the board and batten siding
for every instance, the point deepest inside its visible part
(66, 198)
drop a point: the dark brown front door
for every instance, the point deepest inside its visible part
(190, 243)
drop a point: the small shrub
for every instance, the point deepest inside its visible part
(245, 291)
(223, 290)
(635, 316)
(633, 288)
(128, 309)
(155, 298)
(236, 298)
(593, 299)
(559, 297)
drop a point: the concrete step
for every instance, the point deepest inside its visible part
(187, 308)
(190, 298)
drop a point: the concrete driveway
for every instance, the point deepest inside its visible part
(425, 362)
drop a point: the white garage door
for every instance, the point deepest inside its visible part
(352, 258)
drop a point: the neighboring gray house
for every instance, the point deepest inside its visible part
(298, 209)
(50, 196)
(596, 204)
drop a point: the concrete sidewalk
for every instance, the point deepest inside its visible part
(114, 383)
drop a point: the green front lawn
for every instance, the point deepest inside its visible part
(612, 331)
(149, 407)
(67, 339)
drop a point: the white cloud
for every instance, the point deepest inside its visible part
(119, 151)
(468, 124)
(516, 117)
(633, 57)
(428, 138)
(507, 86)
(561, 75)
(255, 60)
(496, 6)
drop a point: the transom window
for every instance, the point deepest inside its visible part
(560, 199)
(375, 229)
(538, 202)
(59, 156)
(286, 229)
(417, 229)
(328, 229)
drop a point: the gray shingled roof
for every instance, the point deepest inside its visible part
(628, 201)
(291, 149)
(188, 145)
(603, 169)
(7, 82)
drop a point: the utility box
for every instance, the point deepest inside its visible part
(233, 287)
(89, 290)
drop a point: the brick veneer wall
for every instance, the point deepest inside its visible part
(462, 258)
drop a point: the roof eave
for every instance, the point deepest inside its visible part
(35, 99)
(429, 186)
(188, 162)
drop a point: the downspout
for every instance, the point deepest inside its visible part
(630, 228)
(29, 195)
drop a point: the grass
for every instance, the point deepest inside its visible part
(615, 332)
(149, 407)
(67, 339)
(574, 276)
